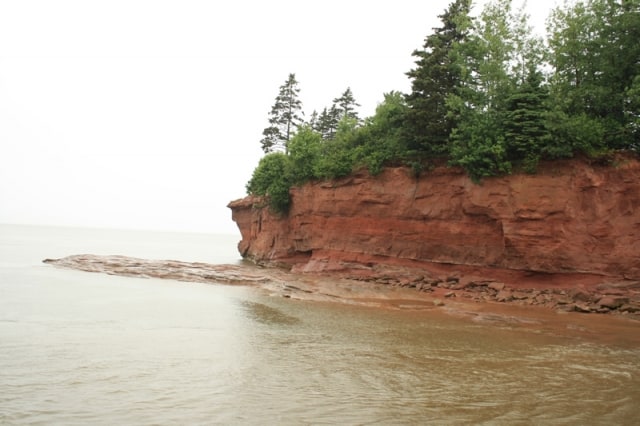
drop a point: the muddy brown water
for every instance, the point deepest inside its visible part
(84, 348)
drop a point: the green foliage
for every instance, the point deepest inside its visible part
(304, 153)
(632, 114)
(380, 140)
(596, 58)
(499, 107)
(336, 160)
(486, 94)
(574, 134)
(336, 155)
(346, 105)
(480, 149)
(524, 124)
(437, 75)
(284, 117)
(271, 179)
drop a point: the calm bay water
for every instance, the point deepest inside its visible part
(82, 348)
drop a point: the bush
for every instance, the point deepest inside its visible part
(272, 179)
(335, 160)
(479, 147)
(304, 154)
(379, 141)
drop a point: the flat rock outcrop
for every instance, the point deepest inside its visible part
(399, 289)
(574, 225)
(164, 269)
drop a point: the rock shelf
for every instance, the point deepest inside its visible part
(400, 288)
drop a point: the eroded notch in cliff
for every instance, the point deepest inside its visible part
(301, 256)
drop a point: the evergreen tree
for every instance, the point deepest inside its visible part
(346, 105)
(313, 120)
(435, 77)
(478, 104)
(494, 59)
(284, 117)
(327, 122)
(525, 130)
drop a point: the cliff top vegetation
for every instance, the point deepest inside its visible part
(487, 95)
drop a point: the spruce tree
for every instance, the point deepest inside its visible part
(435, 77)
(327, 122)
(524, 124)
(346, 105)
(284, 117)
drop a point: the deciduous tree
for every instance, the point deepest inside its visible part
(596, 58)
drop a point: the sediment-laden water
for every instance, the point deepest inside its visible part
(84, 348)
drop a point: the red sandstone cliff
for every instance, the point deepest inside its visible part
(571, 218)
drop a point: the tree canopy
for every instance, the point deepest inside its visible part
(436, 76)
(487, 95)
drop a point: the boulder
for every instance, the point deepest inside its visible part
(497, 286)
(504, 296)
(612, 302)
(579, 295)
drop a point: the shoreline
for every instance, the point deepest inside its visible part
(484, 302)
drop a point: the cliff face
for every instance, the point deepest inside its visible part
(572, 217)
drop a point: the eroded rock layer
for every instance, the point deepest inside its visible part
(573, 219)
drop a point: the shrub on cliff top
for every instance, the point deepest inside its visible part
(304, 153)
(272, 179)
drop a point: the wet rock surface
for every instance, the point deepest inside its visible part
(397, 287)
(165, 269)
(620, 297)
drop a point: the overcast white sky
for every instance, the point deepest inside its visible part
(148, 113)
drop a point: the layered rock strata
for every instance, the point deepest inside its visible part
(575, 224)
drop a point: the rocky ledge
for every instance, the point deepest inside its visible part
(622, 297)
(164, 269)
(399, 288)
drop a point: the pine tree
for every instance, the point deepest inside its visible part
(435, 77)
(284, 117)
(346, 105)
